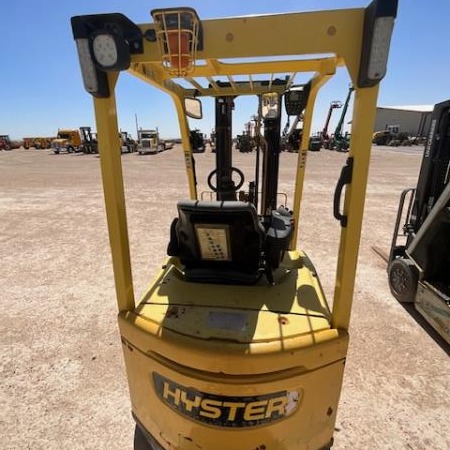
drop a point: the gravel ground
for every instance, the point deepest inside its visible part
(62, 374)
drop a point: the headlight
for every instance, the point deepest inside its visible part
(110, 51)
(105, 50)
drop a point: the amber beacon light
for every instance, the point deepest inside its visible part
(179, 36)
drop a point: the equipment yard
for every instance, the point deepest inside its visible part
(63, 379)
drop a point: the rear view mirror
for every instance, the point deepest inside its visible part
(296, 99)
(270, 105)
(193, 107)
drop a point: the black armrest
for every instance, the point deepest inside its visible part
(278, 236)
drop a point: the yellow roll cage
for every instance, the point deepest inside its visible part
(237, 47)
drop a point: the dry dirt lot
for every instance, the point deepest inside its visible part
(62, 374)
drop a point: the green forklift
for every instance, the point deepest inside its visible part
(340, 141)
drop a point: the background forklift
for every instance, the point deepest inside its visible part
(325, 137)
(234, 345)
(127, 143)
(340, 141)
(419, 268)
(292, 135)
(5, 142)
(89, 142)
(197, 141)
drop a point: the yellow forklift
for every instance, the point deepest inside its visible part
(234, 345)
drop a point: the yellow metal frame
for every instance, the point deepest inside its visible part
(335, 34)
(291, 348)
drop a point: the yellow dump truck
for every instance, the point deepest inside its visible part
(37, 142)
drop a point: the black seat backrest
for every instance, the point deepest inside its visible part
(218, 242)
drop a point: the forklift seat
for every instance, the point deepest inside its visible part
(218, 241)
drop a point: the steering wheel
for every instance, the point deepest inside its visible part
(233, 169)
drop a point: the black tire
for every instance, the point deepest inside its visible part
(403, 278)
(56, 152)
(140, 441)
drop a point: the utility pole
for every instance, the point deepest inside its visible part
(137, 127)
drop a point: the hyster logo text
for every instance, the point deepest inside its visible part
(225, 411)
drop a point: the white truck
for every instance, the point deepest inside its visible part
(149, 142)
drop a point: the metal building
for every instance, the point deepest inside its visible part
(412, 119)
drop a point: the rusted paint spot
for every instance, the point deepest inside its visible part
(188, 443)
(229, 37)
(283, 320)
(175, 312)
(331, 30)
(329, 411)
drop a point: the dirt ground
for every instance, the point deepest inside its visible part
(62, 373)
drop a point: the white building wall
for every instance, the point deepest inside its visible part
(415, 123)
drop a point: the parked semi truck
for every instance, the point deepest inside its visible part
(68, 140)
(149, 142)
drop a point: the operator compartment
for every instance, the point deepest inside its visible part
(232, 285)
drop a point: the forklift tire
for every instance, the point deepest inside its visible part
(403, 278)
(140, 441)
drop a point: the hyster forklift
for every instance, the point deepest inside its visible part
(234, 346)
(419, 267)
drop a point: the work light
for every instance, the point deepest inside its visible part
(95, 82)
(105, 43)
(110, 51)
(379, 50)
(87, 65)
(378, 25)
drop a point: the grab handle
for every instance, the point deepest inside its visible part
(345, 178)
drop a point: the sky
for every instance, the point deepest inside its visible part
(41, 88)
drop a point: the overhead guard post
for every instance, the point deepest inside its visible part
(316, 83)
(111, 169)
(360, 145)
